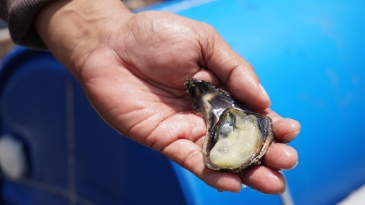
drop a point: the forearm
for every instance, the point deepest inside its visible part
(73, 29)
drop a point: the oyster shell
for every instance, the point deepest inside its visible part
(236, 137)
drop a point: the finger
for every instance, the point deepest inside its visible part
(264, 179)
(233, 71)
(207, 75)
(285, 129)
(189, 155)
(281, 156)
(183, 145)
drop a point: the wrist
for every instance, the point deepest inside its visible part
(73, 29)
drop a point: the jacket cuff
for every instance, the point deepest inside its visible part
(20, 16)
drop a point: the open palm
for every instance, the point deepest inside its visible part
(133, 71)
(141, 94)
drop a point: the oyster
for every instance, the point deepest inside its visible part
(236, 137)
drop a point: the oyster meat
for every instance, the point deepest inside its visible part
(236, 137)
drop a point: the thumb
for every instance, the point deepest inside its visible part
(235, 73)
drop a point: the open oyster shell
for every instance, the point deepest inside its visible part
(236, 138)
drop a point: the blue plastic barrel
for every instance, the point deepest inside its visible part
(309, 56)
(74, 157)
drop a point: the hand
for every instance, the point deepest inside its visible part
(132, 68)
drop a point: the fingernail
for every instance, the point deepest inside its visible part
(264, 92)
(292, 166)
(295, 165)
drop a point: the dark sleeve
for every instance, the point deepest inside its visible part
(19, 15)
